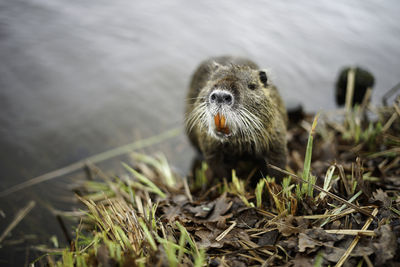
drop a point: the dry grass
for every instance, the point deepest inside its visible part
(339, 204)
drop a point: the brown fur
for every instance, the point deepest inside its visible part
(255, 141)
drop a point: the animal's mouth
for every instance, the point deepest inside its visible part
(221, 126)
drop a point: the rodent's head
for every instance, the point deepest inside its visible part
(234, 105)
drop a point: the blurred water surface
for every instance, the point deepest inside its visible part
(80, 77)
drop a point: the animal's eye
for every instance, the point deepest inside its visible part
(251, 86)
(263, 77)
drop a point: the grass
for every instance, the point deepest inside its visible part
(307, 188)
(124, 226)
(150, 216)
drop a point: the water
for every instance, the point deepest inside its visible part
(80, 77)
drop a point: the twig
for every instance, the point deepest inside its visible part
(326, 192)
(187, 190)
(324, 216)
(343, 177)
(365, 100)
(224, 233)
(350, 88)
(20, 215)
(389, 122)
(355, 240)
(351, 232)
(93, 159)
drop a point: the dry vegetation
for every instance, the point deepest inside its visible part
(339, 205)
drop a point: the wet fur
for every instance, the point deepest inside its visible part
(257, 118)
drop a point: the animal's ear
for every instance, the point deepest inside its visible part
(262, 74)
(214, 66)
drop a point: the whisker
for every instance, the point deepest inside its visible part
(248, 129)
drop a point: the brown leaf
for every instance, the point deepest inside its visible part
(382, 196)
(290, 225)
(172, 213)
(290, 243)
(247, 217)
(234, 236)
(201, 211)
(307, 242)
(222, 205)
(333, 254)
(385, 246)
(268, 238)
(302, 261)
(321, 235)
(207, 238)
(210, 211)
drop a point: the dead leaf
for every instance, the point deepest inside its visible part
(268, 238)
(172, 213)
(290, 243)
(207, 239)
(307, 242)
(247, 217)
(214, 211)
(302, 261)
(380, 195)
(332, 253)
(321, 235)
(385, 246)
(201, 211)
(290, 225)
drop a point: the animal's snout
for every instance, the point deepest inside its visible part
(221, 97)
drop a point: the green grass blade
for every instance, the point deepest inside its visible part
(148, 235)
(307, 160)
(258, 192)
(144, 180)
(342, 207)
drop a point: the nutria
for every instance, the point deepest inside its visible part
(236, 118)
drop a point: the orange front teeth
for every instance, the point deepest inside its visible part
(220, 123)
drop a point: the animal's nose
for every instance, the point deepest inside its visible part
(221, 97)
